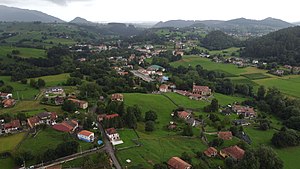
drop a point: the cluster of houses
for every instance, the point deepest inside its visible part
(11, 127)
(198, 92)
(7, 100)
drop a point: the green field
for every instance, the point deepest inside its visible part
(8, 143)
(24, 52)
(127, 135)
(55, 80)
(255, 76)
(31, 107)
(24, 91)
(7, 163)
(288, 85)
(208, 64)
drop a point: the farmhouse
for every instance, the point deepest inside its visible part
(113, 136)
(80, 103)
(183, 115)
(66, 126)
(178, 163)
(101, 117)
(225, 135)
(5, 95)
(234, 152)
(7, 103)
(245, 110)
(211, 152)
(117, 97)
(241, 122)
(42, 118)
(86, 136)
(12, 126)
(163, 88)
(201, 90)
(55, 90)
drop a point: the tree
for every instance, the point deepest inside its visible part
(32, 83)
(150, 115)
(249, 161)
(149, 125)
(66, 148)
(268, 158)
(130, 120)
(216, 142)
(41, 83)
(293, 122)
(7, 89)
(73, 81)
(186, 157)
(214, 106)
(261, 92)
(285, 138)
(187, 130)
(69, 106)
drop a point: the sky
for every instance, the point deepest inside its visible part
(162, 10)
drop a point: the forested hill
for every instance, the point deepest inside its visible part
(282, 46)
(218, 40)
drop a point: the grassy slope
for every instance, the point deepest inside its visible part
(7, 163)
(55, 80)
(24, 52)
(8, 143)
(25, 91)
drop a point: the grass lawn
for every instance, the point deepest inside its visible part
(184, 101)
(192, 60)
(7, 163)
(31, 107)
(23, 90)
(242, 80)
(127, 135)
(24, 52)
(255, 76)
(55, 80)
(8, 143)
(225, 99)
(290, 157)
(288, 85)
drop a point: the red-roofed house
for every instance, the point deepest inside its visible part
(201, 90)
(117, 97)
(245, 110)
(225, 135)
(234, 152)
(211, 152)
(12, 126)
(48, 118)
(163, 88)
(101, 117)
(80, 103)
(178, 163)
(183, 115)
(66, 126)
(86, 136)
(113, 136)
(7, 103)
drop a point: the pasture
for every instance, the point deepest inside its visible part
(8, 143)
(55, 80)
(24, 52)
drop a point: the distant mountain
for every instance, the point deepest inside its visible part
(218, 40)
(236, 26)
(11, 14)
(79, 20)
(296, 23)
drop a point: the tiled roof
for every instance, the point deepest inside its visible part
(210, 151)
(177, 163)
(225, 135)
(183, 114)
(110, 116)
(234, 151)
(85, 133)
(111, 131)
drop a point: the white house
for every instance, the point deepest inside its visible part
(113, 136)
(86, 136)
(6, 95)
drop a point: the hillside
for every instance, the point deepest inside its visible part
(79, 20)
(281, 46)
(218, 40)
(11, 14)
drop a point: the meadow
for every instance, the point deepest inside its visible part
(55, 80)
(24, 52)
(8, 143)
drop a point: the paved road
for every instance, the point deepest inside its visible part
(142, 76)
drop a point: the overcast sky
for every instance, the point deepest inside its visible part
(162, 10)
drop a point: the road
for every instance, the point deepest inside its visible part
(108, 146)
(142, 76)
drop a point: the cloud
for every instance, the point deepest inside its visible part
(65, 2)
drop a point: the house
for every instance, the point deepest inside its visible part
(5, 95)
(102, 117)
(178, 163)
(48, 118)
(241, 122)
(58, 100)
(176, 53)
(225, 135)
(7, 103)
(194, 96)
(55, 90)
(66, 126)
(211, 152)
(279, 72)
(80, 103)
(117, 97)
(248, 112)
(163, 88)
(234, 152)
(113, 136)
(12, 126)
(86, 136)
(201, 90)
(183, 115)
